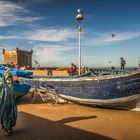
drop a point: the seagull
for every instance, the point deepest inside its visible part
(36, 62)
(79, 11)
(113, 35)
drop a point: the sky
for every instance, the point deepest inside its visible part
(49, 28)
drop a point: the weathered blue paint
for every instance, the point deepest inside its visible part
(100, 89)
(20, 89)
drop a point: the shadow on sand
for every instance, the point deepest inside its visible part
(30, 127)
(28, 99)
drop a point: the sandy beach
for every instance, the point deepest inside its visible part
(41, 121)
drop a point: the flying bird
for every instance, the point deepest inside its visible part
(113, 35)
(36, 62)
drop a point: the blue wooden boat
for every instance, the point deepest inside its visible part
(20, 89)
(114, 91)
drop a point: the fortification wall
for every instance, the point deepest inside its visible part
(46, 72)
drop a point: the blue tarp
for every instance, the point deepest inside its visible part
(16, 72)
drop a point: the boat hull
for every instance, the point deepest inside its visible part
(107, 91)
(119, 103)
(20, 89)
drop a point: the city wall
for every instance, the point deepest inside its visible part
(46, 72)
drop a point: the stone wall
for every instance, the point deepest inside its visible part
(10, 57)
(54, 72)
(20, 57)
(24, 58)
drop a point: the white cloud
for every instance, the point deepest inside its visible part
(26, 19)
(51, 34)
(5, 5)
(122, 36)
(49, 54)
(7, 37)
(39, 1)
(46, 55)
(10, 13)
(100, 39)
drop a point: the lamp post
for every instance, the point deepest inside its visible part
(79, 18)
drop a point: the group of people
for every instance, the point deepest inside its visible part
(8, 107)
(73, 70)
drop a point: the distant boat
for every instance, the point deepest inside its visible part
(114, 91)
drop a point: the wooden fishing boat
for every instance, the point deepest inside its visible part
(113, 91)
(20, 89)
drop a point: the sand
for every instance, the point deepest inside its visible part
(41, 121)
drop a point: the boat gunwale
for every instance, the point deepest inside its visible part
(105, 77)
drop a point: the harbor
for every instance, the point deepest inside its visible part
(71, 122)
(69, 70)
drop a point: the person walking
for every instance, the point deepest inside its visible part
(8, 107)
(139, 62)
(123, 63)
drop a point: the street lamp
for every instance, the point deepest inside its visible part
(79, 18)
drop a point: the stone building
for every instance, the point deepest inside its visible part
(20, 57)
